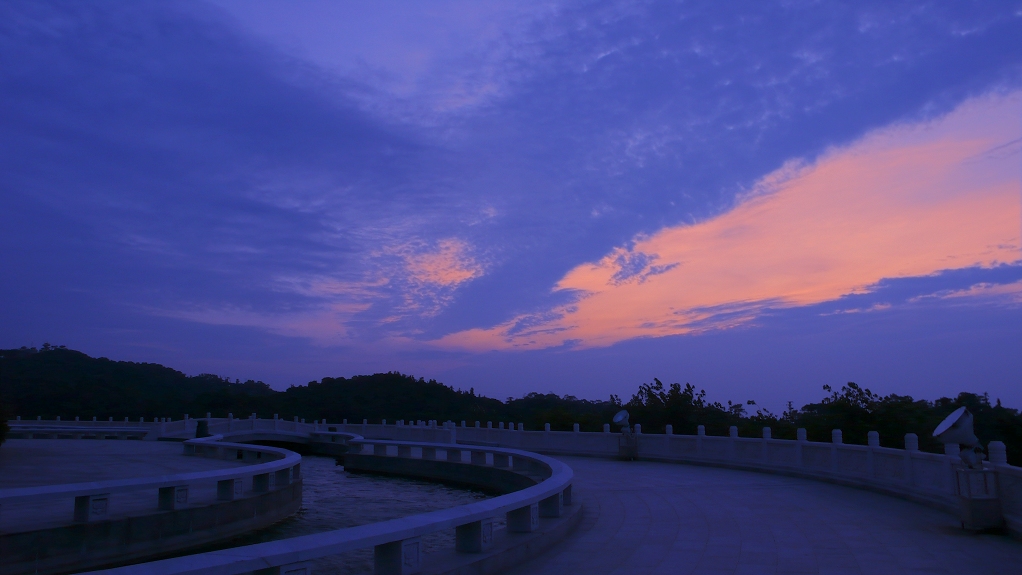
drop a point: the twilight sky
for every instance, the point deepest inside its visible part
(755, 197)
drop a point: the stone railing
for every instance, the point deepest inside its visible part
(909, 473)
(397, 543)
(93, 501)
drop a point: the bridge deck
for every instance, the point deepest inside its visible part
(659, 518)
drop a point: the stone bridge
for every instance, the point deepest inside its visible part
(683, 504)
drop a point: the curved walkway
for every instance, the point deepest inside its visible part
(660, 518)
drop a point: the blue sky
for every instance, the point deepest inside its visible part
(758, 198)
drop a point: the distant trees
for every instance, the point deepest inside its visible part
(854, 410)
(56, 381)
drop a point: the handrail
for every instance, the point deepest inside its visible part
(304, 548)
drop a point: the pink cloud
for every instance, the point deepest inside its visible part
(449, 265)
(909, 200)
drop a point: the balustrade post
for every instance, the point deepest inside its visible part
(546, 427)
(669, 429)
(997, 453)
(521, 426)
(873, 440)
(398, 557)
(173, 497)
(300, 568)
(524, 519)
(229, 489)
(477, 425)
(474, 537)
(835, 440)
(90, 508)
(574, 427)
(261, 483)
(551, 506)
(606, 428)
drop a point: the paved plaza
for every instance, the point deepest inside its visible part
(660, 518)
(32, 462)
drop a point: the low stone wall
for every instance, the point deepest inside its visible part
(928, 478)
(537, 515)
(165, 514)
(83, 546)
(487, 478)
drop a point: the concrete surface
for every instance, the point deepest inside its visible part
(659, 518)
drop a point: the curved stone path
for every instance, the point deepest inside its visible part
(662, 518)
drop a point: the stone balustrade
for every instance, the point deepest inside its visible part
(927, 478)
(58, 527)
(271, 468)
(543, 491)
(476, 446)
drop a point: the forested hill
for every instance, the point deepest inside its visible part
(54, 381)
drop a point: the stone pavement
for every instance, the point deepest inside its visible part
(31, 462)
(662, 518)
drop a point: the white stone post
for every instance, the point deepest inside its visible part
(524, 519)
(574, 427)
(546, 427)
(669, 430)
(91, 507)
(873, 438)
(173, 497)
(398, 557)
(835, 440)
(521, 426)
(229, 489)
(606, 427)
(474, 537)
(551, 506)
(998, 453)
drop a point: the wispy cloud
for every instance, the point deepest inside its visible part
(985, 293)
(906, 201)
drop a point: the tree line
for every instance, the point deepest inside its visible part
(56, 381)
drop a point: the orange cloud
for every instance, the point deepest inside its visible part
(908, 200)
(449, 265)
